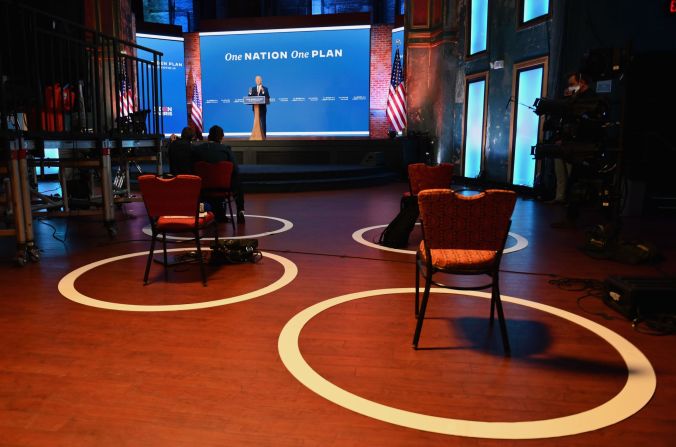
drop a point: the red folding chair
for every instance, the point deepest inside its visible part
(173, 207)
(216, 182)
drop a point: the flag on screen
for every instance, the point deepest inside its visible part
(196, 108)
(396, 99)
(125, 95)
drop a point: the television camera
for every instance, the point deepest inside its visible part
(575, 128)
(578, 130)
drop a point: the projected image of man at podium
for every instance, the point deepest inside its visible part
(260, 90)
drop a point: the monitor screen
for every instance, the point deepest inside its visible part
(174, 110)
(318, 80)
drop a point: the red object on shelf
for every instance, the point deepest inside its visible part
(57, 100)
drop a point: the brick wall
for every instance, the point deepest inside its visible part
(381, 70)
(193, 69)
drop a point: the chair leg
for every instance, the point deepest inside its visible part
(423, 307)
(150, 258)
(199, 255)
(232, 216)
(166, 263)
(493, 300)
(417, 283)
(501, 318)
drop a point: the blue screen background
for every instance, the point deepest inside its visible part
(308, 96)
(174, 109)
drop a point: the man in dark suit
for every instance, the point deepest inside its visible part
(260, 90)
(180, 153)
(214, 151)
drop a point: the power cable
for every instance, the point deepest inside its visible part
(54, 230)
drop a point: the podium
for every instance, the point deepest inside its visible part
(256, 101)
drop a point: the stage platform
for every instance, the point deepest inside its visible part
(278, 165)
(283, 165)
(385, 152)
(290, 178)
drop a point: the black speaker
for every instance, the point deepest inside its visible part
(641, 297)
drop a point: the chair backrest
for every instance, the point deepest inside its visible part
(454, 221)
(214, 175)
(176, 196)
(422, 176)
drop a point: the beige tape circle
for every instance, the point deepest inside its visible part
(358, 236)
(68, 290)
(637, 391)
(286, 226)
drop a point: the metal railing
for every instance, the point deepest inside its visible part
(59, 79)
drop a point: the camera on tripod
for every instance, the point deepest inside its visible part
(575, 128)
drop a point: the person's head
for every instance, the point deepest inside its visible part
(172, 137)
(188, 134)
(577, 83)
(216, 134)
(259, 80)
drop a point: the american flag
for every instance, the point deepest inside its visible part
(396, 99)
(196, 108)
(126, 94)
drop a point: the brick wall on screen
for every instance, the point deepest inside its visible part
(193, 69)
(381, 70)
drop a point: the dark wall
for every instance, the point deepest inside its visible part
(188, 13)
(69, 10)
(642, 26)
(576, 29)
(511, 44)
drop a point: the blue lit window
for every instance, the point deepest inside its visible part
(51, 153)
(528, 89)
(475, 113)
(533, 9)
(478, 26)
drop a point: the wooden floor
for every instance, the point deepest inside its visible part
(74, 375)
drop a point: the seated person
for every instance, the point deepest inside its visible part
(214, 151)
(180, 153)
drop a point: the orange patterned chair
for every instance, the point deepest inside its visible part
(422, 176)
(462, 235)
(173, 207)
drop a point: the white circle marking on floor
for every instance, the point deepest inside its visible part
(286, 226)
(68, 290)
(521, 242)
(637, 391)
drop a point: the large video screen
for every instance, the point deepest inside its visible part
(318, 79)
(174, 110)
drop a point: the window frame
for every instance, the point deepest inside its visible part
(468, 43)
(469, 79)
(518, 68)
(534, 21)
